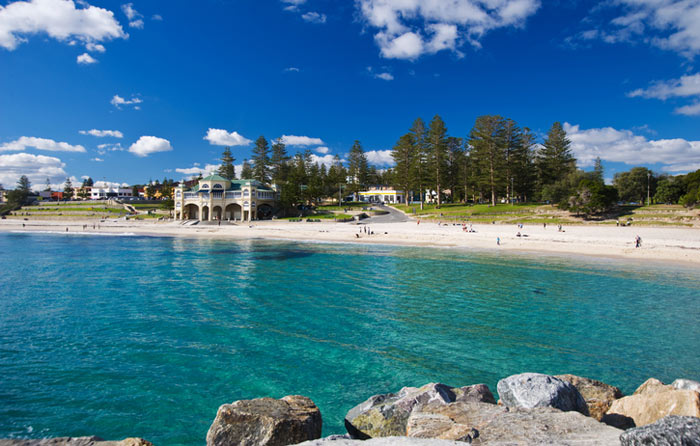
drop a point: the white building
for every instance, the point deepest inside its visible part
(382, 195)
(216, 198)
(97, 193)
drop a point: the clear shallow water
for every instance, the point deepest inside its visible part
(137, 336)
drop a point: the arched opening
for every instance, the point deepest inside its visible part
(205, 213)
(264, 212)
(191, 212)
(233, 212)
(216, 212)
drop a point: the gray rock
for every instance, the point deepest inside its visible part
(386, 415)
(266, 422)
(76, 441)
(530, 390)
(668, 431)
(488, 424)
(385, 441)
(686, 384)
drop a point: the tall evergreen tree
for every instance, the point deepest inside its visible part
(403, 156)
(522, 165)
(420, 158)
(455, 153)
(512, 144)
(23, 184)
(261, 160)
(68, 189)
(358, 168)
(337, 178)
(486, 139)
(227, 170)
(554, 159)
(279, 162)
(598, 170)
(246, 170)
(437, 154)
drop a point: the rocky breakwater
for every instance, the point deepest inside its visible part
(534, 409)
(76, 441)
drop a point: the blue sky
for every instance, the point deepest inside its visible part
(157, 88)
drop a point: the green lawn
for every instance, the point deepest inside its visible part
(459, 209)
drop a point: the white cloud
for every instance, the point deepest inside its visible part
(380, 157)
(147, 145)
(197, 169)
(685, 86)
(48, 145)
(326, 160)
(59, 19)
(102, 133)
(407, 29)
(220, 137)
(314, 17)
(36, 167)
(323, 150)
(86, 59)
(624, 146)
(104, 148)
(98, 160)
(293, 5)
(301, 141)
(157, 17)
(292, 69)
(95, 47)
(118, 101)
(667, 24)
(135, 18)
(384, 76)
(113, 184)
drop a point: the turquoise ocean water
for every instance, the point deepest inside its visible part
(137, 336)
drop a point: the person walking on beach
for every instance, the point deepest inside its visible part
(638, 242)
(498, 241)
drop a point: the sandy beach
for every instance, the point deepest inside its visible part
(659, 244)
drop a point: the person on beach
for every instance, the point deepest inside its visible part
(498, 241)
(638, 242)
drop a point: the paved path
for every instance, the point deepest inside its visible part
(393, 216)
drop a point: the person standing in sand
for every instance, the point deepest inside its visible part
(498, 241)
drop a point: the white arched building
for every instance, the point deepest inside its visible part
(216, 198)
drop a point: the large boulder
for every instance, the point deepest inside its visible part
(76, 441)
(530, 390)
(488, 424)
(668, 431)
(653, 401)
(598, 395)
(386, 415)
(266, 422)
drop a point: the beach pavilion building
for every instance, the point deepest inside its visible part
(217, 198)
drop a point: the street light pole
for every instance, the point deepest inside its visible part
(648, 189)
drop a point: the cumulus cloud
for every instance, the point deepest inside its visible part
(326, 160)
(196, 169)
(104, 148)
(314, 17)
(667, 24)
(49, 145)
(102, 133)
(301, 141)
(292, 69)
(322, 150)
(624, 146)
(59, 19)
(86, 59)
(220, 137)
(112, 184)
(380, 157)
(97, 160)
(292, 5)
(408, 29)
(684, 87)
(36, 167)
(384, 76)
(147, 145)
(119, 101)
